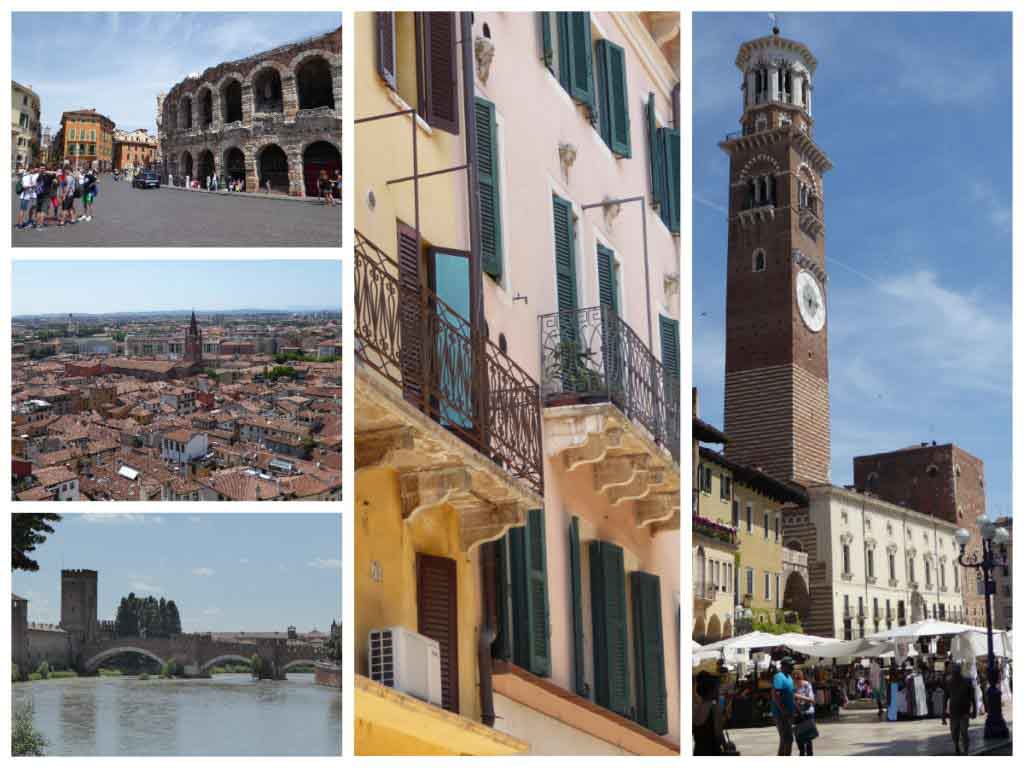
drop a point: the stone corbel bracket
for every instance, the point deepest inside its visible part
(617, 471)
(656, 508)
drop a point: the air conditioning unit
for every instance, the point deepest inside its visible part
(407, 662)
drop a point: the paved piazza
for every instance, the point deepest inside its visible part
(175, 217)
(860, 733)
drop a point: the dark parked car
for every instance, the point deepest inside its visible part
(146, 180)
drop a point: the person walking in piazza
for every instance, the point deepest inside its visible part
(960, 706)
(27, 198)
(67, 197)
(805, 730)
(90, 186)
(708, 722)
(784, 705)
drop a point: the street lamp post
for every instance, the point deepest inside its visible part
(992, 538)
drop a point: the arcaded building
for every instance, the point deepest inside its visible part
(274, 117)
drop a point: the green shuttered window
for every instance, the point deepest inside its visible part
(565, 254)
(613, 97)
(663, 163)
(531, 645)
(608, 607)
(488, 165)
(649, 652)
(572, 60)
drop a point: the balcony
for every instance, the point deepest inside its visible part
(609, 402)
(438, 402)
(705, 591)
(712, 529)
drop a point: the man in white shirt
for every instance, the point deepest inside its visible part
(28, 198)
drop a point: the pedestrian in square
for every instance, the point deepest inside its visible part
(708, 722)
(88, 195)
(67, 197)
(27, 198)
(784, 705)
(805, 730)
(43, 187)
(337, 185)
(960, 707)
(325, 185)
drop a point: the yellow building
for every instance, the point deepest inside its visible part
(531, 532)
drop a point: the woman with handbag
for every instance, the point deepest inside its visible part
(804, 730)
(708, 730)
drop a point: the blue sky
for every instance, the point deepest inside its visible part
(46, 287)
(915, 111)
(123, 60)
(251, 572)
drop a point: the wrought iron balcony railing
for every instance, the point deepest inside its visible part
(445, 367)
(592, 355)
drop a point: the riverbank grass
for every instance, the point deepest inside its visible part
(26, 741)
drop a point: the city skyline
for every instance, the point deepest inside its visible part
(112, 287)
(919, 347)
(204, 40)
(226, 572)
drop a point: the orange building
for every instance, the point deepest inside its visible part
(86, 139)
(134, 149)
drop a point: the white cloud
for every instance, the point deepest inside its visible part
(995, 206)
(324, 563)
(243, 560)
(942, 77)
(203, 572)
(141, 586)
(118, 518)
(211, 611)
(709, 204)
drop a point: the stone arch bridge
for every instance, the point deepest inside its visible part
(197, 653)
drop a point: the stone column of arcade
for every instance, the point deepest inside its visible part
(290, 94)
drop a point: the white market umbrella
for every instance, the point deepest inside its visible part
(926, 628)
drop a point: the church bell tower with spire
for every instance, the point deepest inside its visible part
(194, 343)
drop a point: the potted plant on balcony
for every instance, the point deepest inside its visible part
(572, 378)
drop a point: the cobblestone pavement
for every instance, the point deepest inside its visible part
(125, 216)
(860, 733)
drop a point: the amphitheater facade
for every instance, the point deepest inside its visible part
(274, 117)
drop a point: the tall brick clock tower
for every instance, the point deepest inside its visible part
(776, 349)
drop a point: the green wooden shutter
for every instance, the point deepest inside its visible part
(614, 97)
(531, 633)
(565, 256)
(579, 56)
(655, 153)
(608, 607)
(501, 648)
(490, 194)
(669, 344)
(607, 284)
(669, 138)
(576, 580)
(547, 50)
(649, 652)
(385, 22)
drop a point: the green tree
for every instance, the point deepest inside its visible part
(27, 532)
(173, 619)
(43, 670)
(161, 619)
(257, 666)
(26, 741)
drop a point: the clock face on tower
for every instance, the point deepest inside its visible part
(811, 301)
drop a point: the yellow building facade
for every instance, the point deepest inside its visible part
(532, 534)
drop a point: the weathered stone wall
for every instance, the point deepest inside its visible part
(201, 134)
(50, 645)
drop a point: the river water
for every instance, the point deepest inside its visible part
(226, 715)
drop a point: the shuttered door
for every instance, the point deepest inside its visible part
(649, 652)
(386, 48)
(608, 607)
(530, 617)
(490, 195)
(502, 646)
(576, 582)
(438, 82)
(607, 284)
(614, 97)
(438, 619)
(669, 344)
(410, 315)
(565, 277)
(655, 153)
(580, 57)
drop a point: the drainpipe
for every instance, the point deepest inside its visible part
(488, 632)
